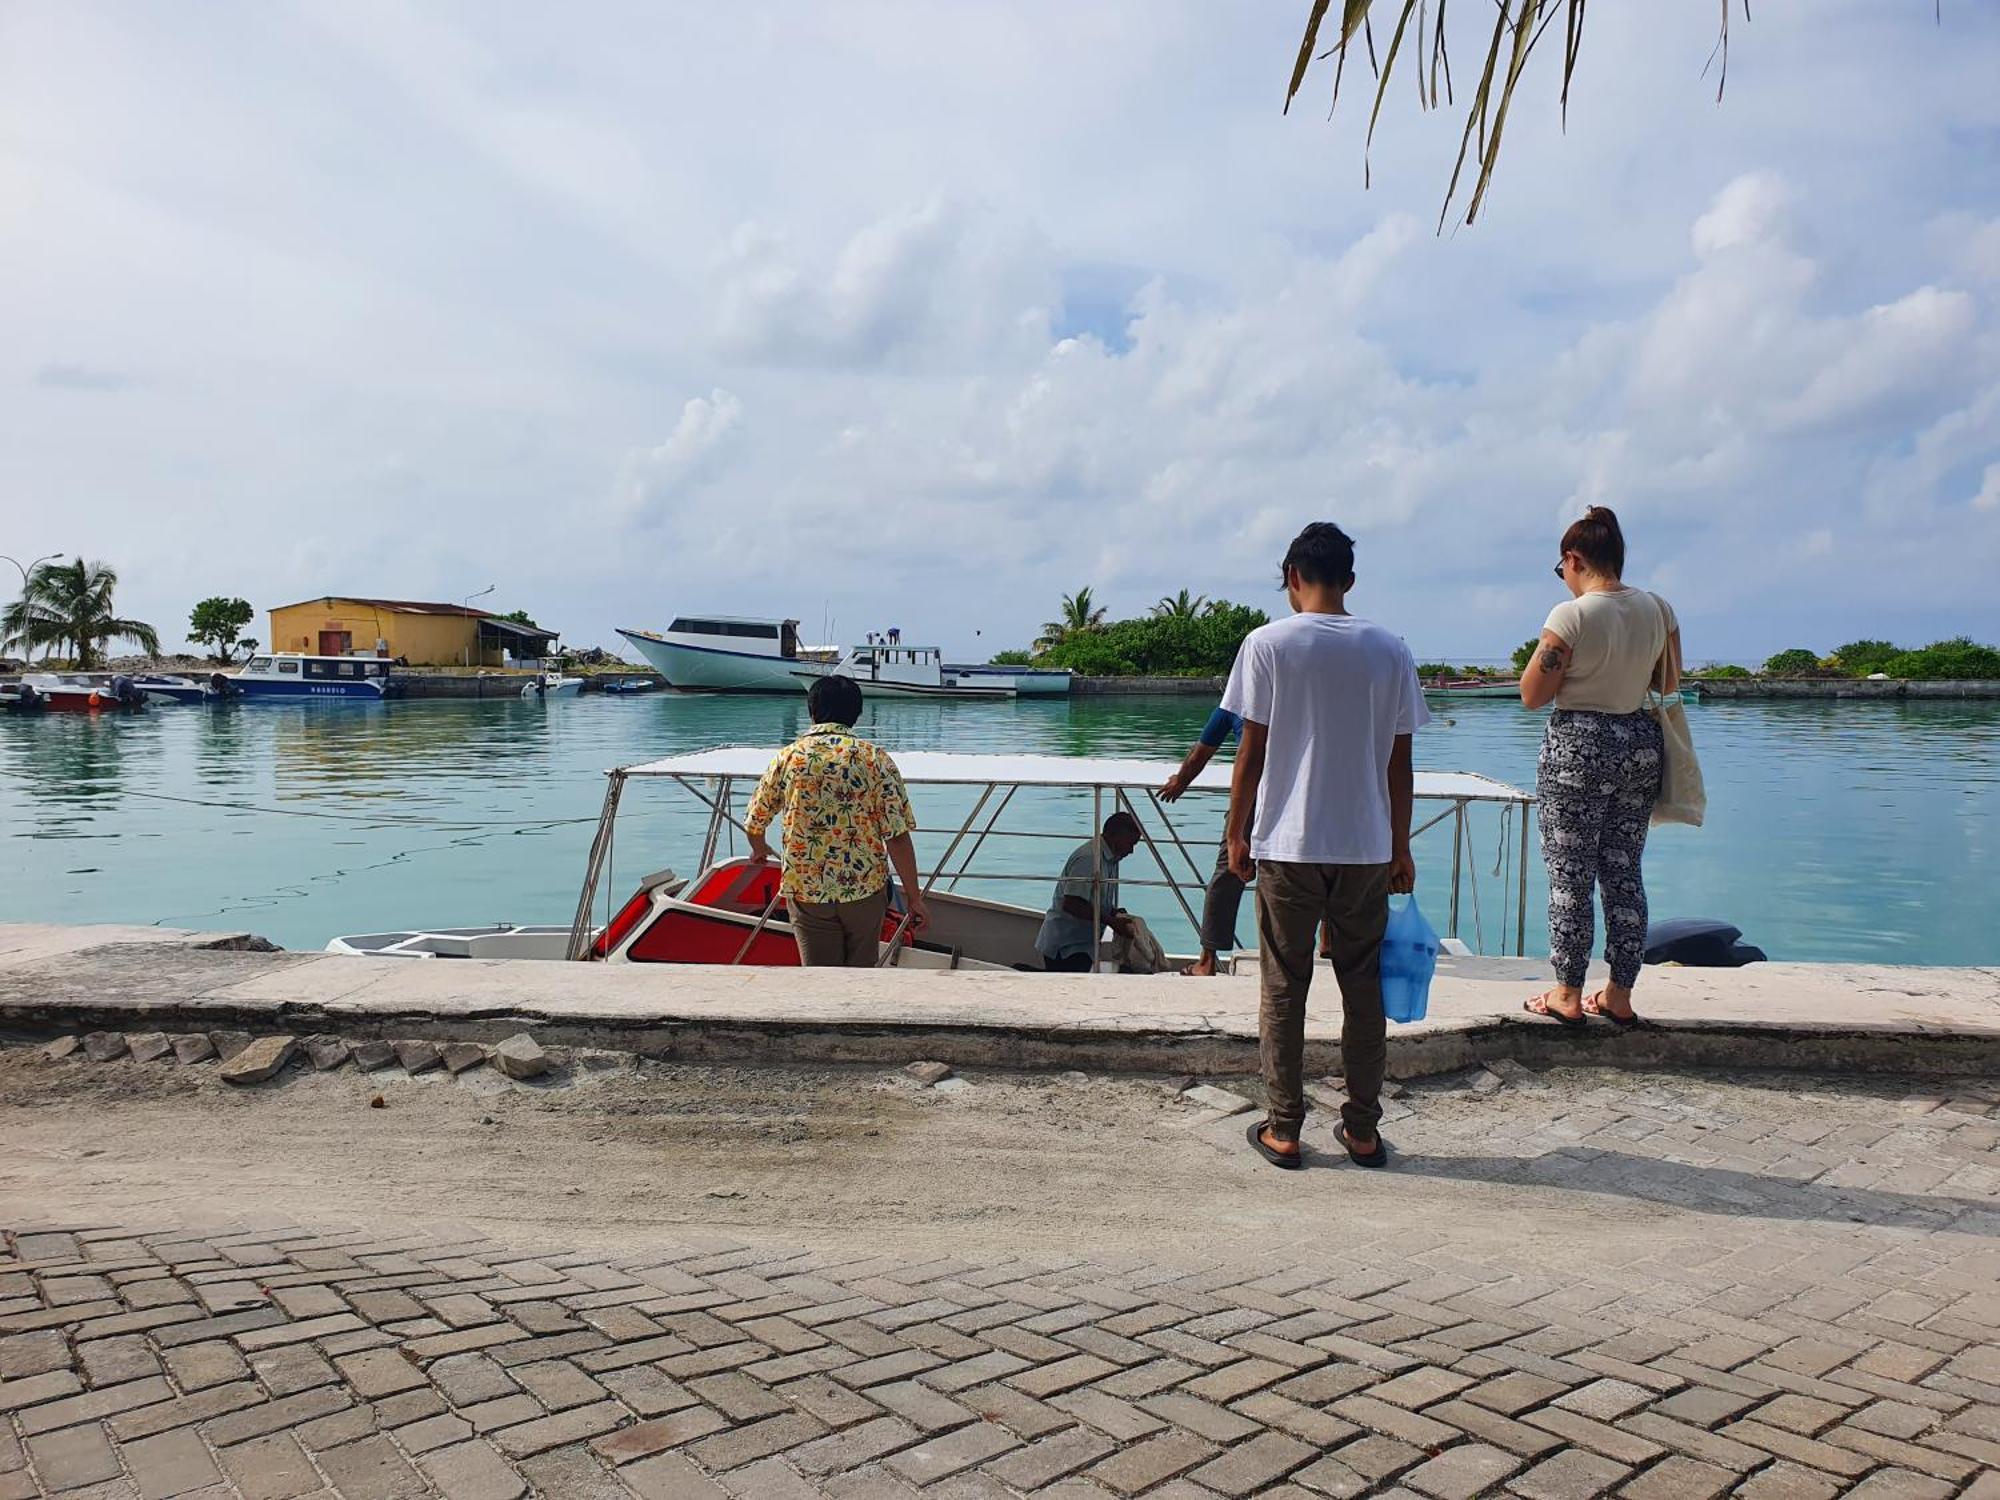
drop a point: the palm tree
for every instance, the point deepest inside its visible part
(1181, 606)
(69, 604)
(1080, 615)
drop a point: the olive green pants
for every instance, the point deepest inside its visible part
(840, 934)
(1292, 901)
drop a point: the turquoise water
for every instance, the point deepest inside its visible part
(1836, 832)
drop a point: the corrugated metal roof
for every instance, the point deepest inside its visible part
(395, 606)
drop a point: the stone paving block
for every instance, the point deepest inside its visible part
(1248, 1467)
(577, 1425)
(472, 1471)
(557, 1384)
(72, 1458)
(1787, 1481)
(286, 1372)
(272, 1416)
(148, 1046)
(1392, 1421)
(36, 1353)
(833, 1404)
(1421, 1387)
(1049, 1459)
(467, 1379)
(112, 1360)
(184, 1411)
(376, 1373)
(418, 1056)
(405, 1407)
(1571, 1475)
(1679, 1478)
(1530, 1443)
(1604, 1400)
(372, 1056)
(507, 1411)
(438, 1431)
(1463, 1472)
(1823, 1456)
(853, 1447)
(1598, 1437)
(1901, 1484)
(371, 1469)
(1138, 1467)
(263, 1059)
(273, 1467)
(519, 1057)
(942, 1455)
(670, 1477)
(1108, 1414)
(193, 1047)
(89, 1406)
(660, 1434)
(459, 1056)
(174, 1463)
(1704, 1406)
(925, 1409)
(747, 1444)
(103, 1046)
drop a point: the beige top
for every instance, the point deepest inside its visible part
(1615, 639)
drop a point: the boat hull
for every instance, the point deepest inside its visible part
(258, 689)
(873, 688)
(709, 669)
(1027, 682)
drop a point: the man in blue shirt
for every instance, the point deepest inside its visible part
(1225, 890)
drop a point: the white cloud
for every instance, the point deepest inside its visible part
(655, 481)
(1988, 497)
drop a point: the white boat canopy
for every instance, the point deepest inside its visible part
(715, 776)
(952, 768)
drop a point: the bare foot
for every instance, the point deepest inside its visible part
(1613, 1002)
(1201, 968)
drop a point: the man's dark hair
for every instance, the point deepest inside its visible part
(1322, 554)
(834, 700)
(1125, 822)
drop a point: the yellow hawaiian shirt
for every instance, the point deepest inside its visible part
(842, 799)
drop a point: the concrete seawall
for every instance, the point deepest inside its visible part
(1722, 689)
(1778, 1016)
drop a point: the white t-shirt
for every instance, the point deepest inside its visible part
(1333, 692)
(1615, 639)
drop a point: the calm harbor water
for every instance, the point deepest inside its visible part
(1836, 832)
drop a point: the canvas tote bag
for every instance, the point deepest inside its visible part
(1682, 798)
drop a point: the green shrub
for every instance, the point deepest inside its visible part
(1012, 659)
(1864, 658)
(1724, 669)
(1203, 645)
(1958, 658)
(1797, 662)
(1525, 653)
(1436, 669)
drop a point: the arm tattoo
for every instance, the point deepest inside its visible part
(1552, 659)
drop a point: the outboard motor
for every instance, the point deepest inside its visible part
(1699, 943)
(219, 686)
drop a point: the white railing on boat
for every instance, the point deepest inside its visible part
(712, 777)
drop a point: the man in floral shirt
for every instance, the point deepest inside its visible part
(847, 819)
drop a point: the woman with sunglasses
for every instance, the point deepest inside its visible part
(1601, 763)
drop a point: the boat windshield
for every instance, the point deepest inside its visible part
(258, 664)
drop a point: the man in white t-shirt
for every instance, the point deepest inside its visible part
(1328, 704)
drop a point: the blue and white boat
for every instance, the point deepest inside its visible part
(291, 674)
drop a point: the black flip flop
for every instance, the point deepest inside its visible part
(1604, 1013)
(1290, 1161)
(1379, 1157)
(1568, 1023)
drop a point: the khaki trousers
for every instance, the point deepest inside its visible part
(840, 934)
(1292, 901)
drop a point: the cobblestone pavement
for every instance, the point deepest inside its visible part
(1811, 1310)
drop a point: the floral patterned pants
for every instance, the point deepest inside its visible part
(1596, 785)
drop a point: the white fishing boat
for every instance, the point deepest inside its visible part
(728, 654)
(733, 912)
(1027, 682)
(904, 672)
(546, 685)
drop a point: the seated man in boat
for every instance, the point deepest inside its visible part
(847, 820)
(1068, 939)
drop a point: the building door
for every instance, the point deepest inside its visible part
(335, 642)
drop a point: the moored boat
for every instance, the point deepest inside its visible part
(734, 912)
(1027, 682)
(727, 654)
(905, 672)
(166, 688)
(546, 685)
(292, 674)
(83, 692)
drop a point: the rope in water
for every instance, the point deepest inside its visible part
(403, 819)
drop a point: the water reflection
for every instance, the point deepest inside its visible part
(1835, 830)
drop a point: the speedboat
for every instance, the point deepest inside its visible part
(734, 910)
(293, 674)
(165, 688)
(546, 685)
(905, 672)
(20, 698)
(728, 654)
(84, 692)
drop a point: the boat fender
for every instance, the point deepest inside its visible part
(1699, 943)
(96, 699)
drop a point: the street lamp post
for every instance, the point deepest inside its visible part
(466, 604)
(25, 571)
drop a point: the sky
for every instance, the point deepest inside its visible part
(926, 314)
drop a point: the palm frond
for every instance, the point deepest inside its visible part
(1518, 26)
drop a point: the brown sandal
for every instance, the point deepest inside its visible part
(1539, 1006)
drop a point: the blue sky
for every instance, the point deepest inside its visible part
(928, 314)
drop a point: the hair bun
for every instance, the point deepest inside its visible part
(1601, 513)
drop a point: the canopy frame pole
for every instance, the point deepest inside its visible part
(1125, 806)
(897, 938)
(763, 919)
(1457, 852)
(1096, 873)
(1159, 807)
(978, 844)
(1521, 916)
(579, 929)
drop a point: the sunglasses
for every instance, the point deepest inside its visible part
(1562, 568)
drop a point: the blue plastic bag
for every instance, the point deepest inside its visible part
(1409, 959)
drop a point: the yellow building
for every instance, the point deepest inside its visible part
(424, 635)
